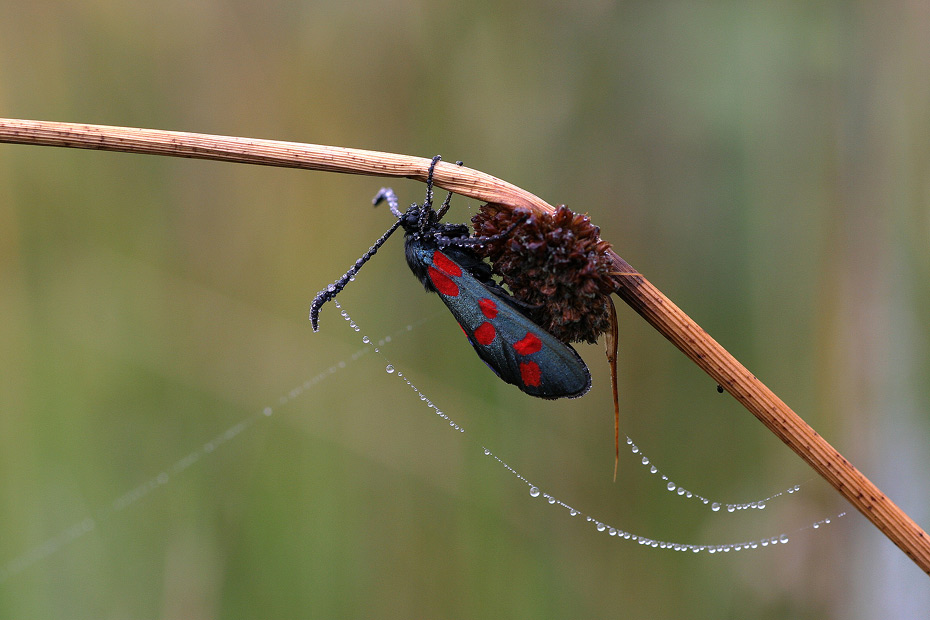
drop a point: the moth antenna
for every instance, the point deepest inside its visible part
(447, 202)
(386, 193)
(333, 289)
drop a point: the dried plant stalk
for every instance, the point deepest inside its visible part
(636, 290)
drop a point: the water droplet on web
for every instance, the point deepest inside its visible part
(670, 486)
(534, 492)
(389, 368)
(366, 339)
(715, 506)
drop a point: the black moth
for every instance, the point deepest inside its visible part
(442, 257)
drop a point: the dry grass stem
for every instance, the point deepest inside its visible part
(632, 287)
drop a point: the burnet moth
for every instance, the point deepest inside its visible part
(443, 257)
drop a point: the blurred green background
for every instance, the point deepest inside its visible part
(764, 164)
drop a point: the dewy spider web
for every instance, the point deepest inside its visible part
(80, 528)
(601, 526)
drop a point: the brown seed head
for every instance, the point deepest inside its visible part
(556, 263)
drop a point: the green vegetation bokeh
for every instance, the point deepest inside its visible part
(764, 164)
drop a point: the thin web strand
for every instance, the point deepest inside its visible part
(600, 526)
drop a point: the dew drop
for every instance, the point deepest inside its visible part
(715, 506)
(389, 368)
(670, 486)
(534, 492)
(487, 452)
(783, 538)
(366, 339)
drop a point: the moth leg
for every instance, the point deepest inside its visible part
(446, 203)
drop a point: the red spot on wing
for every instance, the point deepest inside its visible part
(446, 264)
(488, 307)
(485, 333)
(442, 282)
(529, 345)
(530, 373)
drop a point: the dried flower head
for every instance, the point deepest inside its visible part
(556, 264)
